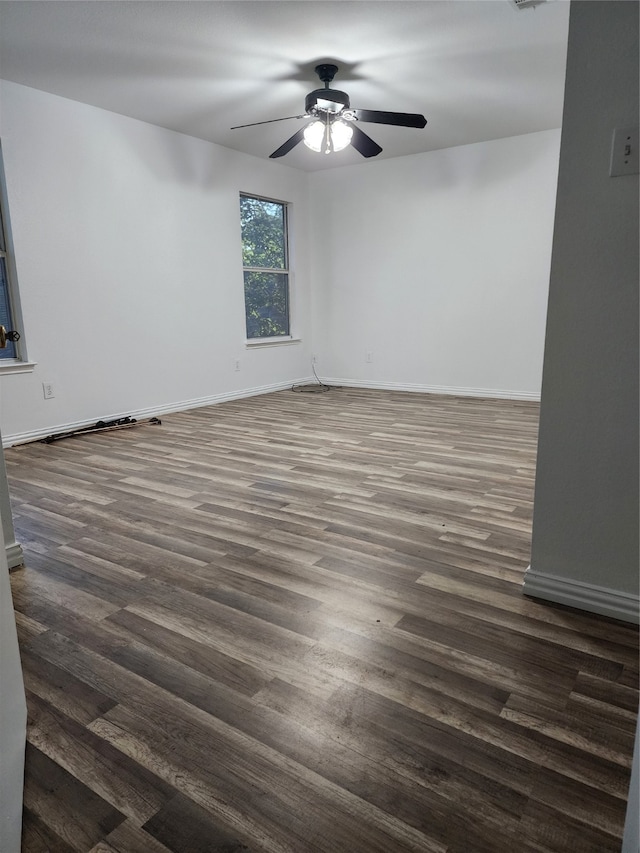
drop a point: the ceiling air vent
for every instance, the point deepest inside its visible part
(526, 4)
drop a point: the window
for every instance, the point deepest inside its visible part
(11, 356)
(265, 260)
(6, 318)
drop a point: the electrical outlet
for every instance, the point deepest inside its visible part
(624, 152)
(368, 357)
(47, 390)
(236, 364)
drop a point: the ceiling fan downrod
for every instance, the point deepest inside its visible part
(326, 72)
(319, 101)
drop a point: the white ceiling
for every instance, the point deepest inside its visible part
(477, 69)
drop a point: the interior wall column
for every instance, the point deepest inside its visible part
(584, 549)
(13, 549)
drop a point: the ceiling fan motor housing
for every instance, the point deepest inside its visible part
(326, 100)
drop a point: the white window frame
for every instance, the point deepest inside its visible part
(21, 363)
(279, 340)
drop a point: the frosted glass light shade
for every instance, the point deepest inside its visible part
(314, 134)
(341, 134)
(334, 137)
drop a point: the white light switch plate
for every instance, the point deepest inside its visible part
(624, 152)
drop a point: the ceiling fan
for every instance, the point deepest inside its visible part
(334, 122)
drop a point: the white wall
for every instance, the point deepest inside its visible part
(127, 241)
(438, 265)
(585, 524)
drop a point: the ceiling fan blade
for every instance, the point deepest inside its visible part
(399, 119)
(289, 144)
(363, 143)
(268, 121)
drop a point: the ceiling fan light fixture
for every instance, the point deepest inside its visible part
(341, 134)
(314, 134)
(330, 136)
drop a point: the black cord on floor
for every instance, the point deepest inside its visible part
(310, 388)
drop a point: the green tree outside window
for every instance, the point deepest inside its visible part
(265, 262)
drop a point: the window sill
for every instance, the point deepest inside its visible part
(270, 342)
(14, 366)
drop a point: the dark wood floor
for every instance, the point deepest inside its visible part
(294, 623)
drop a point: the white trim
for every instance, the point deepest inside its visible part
(11, 366)
(270, 342)
(13, 286)
(496, 393)
(585, 596)
(15, 555)
(11, 439)
(139, 414)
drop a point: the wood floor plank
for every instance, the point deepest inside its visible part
(129, 838)
(532, 746)
(295, 624)
(534, 653)
(62, 690)
(186, 827)
(39, 837)
(221, 668)
(420, 788)
(556, 831)
(320, 816)
(58, 593)
(75, 813)
(101, 768)
(578, 802)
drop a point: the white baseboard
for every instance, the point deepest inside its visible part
(494, 393)
(15, 556)
(12, 439)
(584, 596)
